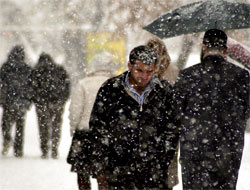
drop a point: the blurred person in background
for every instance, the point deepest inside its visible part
(51, 86)
(99, 69)
(169, 72)
(164, 69)
(238, 52)
(16, 93)
(213, 99)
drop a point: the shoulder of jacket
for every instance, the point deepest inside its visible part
(115, 81)
(236, 67)
(165, 82)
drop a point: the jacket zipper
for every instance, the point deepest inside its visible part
(140, 107)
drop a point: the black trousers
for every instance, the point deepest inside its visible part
(136, 180)
(49, 121)
(196, 175)
(9, 118)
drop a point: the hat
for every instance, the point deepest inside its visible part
(215, 38)
(102, 61)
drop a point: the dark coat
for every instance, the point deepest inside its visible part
(50, 82)
(213, 98)
(16, 91)
(133, 137)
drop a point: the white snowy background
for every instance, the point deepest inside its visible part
(33, 173)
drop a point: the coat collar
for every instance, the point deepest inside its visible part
(155, 80)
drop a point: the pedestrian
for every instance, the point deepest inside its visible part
(15, 98)
(132, 123)
(164, 69)
(51, 85)
(238, 52)
(169, 72)
(99, 69)
(213, 99)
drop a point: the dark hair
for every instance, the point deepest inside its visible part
(144, 54)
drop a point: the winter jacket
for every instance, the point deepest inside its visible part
(16, 91)
(50, 82)
(100, 68)
(171, 76)
(83, 98)
(130, 136)
(213, 97)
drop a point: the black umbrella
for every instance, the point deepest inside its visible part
(201, 16)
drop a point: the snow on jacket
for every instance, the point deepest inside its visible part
(214, 99)
(50, 82)
(129, 134)
(16, 91)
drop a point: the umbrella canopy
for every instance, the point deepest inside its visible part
(201, 16)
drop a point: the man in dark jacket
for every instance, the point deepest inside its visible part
(132, 122)
(213, 97)
(51, 86)
(15, 98)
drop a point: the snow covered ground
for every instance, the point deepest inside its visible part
(31, 172)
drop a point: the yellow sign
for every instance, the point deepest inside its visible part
(104, 41)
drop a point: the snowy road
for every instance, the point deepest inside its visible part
(31, 172)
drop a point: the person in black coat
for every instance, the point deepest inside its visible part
(213, 97)
(15, 98)
(51, 86)
(132, 124)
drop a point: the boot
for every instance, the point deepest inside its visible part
(6, 148)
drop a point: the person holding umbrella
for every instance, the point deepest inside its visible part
(213, 99)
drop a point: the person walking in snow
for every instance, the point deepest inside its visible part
(213, 99)
(164, 68)
(238, 52)
(169, 72)
(51, 86)
(133, 126)
(15, 98)
(99, 69)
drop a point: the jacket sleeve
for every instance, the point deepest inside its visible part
(76, 107)
(66, 85)
(172, 128)
(98, 127)
(181, 92)
(244, 81)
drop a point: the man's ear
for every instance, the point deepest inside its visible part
(129, 66)
(225, 51)
(203, 50)
(204, 47)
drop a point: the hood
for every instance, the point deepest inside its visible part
(45, 60)
(17, 54)
(102, 62)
